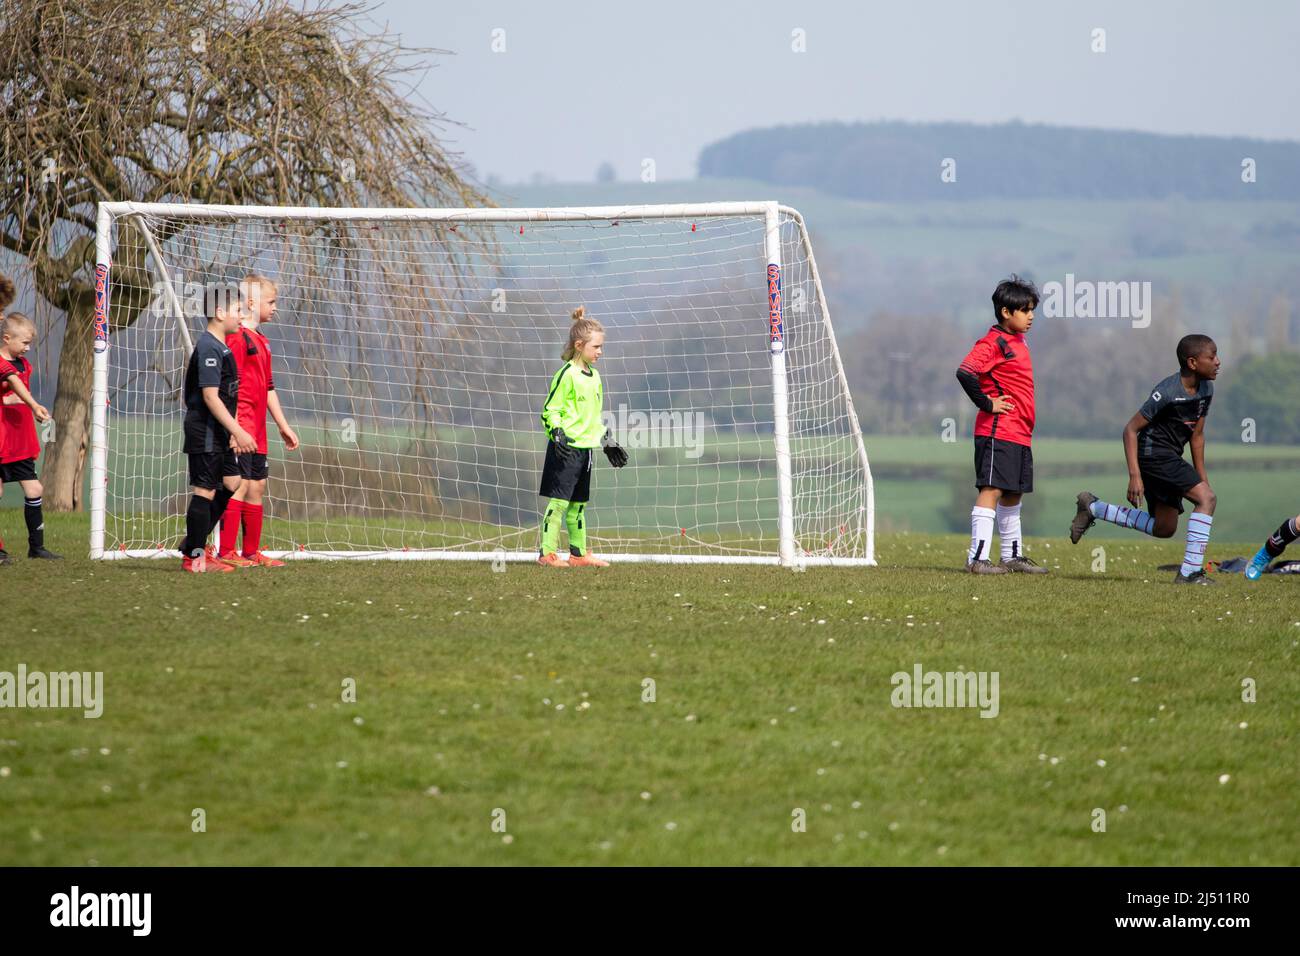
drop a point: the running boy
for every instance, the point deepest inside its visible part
(1154, 439)
(998, 375)
(252, 354)
(20, 447)
(212, 435)
(571, 416)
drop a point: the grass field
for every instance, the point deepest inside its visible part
(522, 691)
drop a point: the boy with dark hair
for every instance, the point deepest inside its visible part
(19, 446)
(1154, 438)
(213, 437)
(998, 376)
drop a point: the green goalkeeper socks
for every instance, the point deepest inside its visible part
(571, 514)
(576, 519)
(551, 521)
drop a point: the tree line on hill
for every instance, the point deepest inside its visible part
(897, 161)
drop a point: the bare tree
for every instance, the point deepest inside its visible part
(210, 101)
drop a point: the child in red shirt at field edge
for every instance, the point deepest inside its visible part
(7, 293)
(256, 397)
(998, 375)
(19, 446)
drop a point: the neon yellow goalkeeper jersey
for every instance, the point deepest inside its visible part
(575, 403)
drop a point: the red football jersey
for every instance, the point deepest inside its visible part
(19, 439)
(253, 359)
(1001, 360)
(5, 371)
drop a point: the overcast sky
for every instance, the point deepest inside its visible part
(584, 82)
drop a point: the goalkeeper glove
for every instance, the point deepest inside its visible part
(560, 439)
(613, 450)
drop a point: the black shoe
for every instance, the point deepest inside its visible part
(1196, 577)
(1024, 565)
(43, 554)
(984, 566)
(4, 557)
(1083, 519)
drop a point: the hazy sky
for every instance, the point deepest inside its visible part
(584, 82)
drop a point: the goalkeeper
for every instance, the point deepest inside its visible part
(571, 416)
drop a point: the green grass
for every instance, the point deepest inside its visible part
(223, 692)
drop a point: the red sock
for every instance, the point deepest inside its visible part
(230, 526)
(252, 529)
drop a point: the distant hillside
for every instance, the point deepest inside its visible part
(892, 161)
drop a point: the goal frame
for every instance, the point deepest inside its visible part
(770, 210)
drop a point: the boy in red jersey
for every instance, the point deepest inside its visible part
(21, 412)
(998, 376)
(256, 397)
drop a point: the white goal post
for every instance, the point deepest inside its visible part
(412, 352)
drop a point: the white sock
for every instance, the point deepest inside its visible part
(1198, 536)
(1009, 531)
(981, 533)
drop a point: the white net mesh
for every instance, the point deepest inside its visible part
(413, 357)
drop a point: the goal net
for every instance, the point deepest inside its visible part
(412, 353)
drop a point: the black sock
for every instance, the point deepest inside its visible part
(1280, 538)
(35, 523)
(218, 507)
(198, 518)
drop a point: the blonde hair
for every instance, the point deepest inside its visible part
(254, 279)
(581, 330)
(16, 322)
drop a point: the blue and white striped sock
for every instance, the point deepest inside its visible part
(1198, 536)
(1124, 517)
